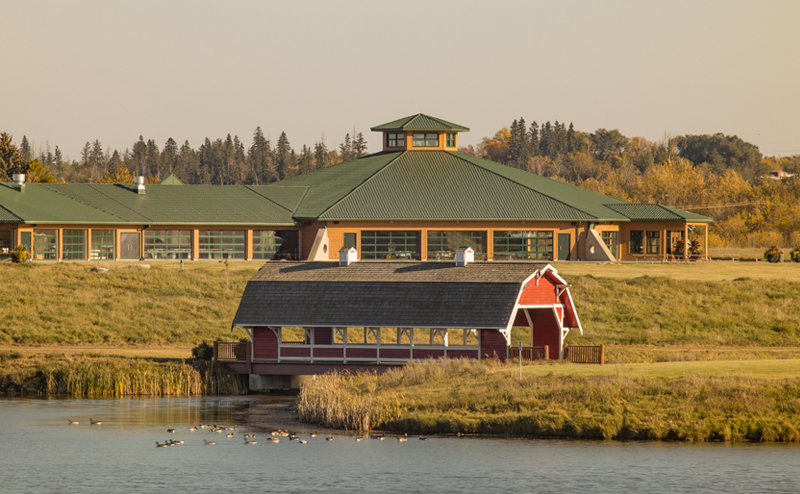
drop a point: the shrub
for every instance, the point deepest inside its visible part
(203, 351)
(772, 252)
(19, 254)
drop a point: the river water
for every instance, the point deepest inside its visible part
(41, 453)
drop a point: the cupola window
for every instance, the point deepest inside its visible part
(426, 140)
(451, 139)
(395, 140)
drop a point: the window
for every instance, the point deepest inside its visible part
(350, 240)
(426, 141)
(653, 242)
(276, 244)
(74, 245)
(103, 245)
(221, 244)
(523, 245)
(403, 245)
(451, 140)
(5, 243)
(395, 140)
(443, 245)
(167, 244)
(636, 245)
(45, 245)
(611, 241)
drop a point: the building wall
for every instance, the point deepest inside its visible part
(493, 345)
(265, 343)
(546, 330)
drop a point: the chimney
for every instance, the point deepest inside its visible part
(19, 181)
(347, 256)
(138, 183)
(464, 257)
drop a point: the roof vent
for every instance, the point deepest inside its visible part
(19, 181)
(464, 257)
(138, 183)
(347, 256)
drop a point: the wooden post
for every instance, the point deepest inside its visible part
(566, 351)
(547, 352)
(249, 359)
(602, 354)
(216, 351)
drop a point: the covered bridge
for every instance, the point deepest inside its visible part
(312, 317)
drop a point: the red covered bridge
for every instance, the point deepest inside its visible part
(311, 317)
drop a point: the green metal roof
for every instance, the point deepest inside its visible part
(421, 122)
(161, 204)
(171, 180)
(658, 212)
(442, 185)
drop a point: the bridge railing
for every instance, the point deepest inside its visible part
(236, 350)
(530, 352)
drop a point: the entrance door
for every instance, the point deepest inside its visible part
(129, 246)
(25, 240)
(563, 246)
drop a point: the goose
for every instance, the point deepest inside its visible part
(275, 433)
(329, 438)
(95, 422)
(273, 440)
(402, 439)
(303, 441)
(171, 431)
(313, 434)
(203, 426)
(161, 445)
(359, 439)
(73, 422)
(229, 435)
(423, 438)
(250, 441)
(208, 443)
(193, 429)
(249, 435)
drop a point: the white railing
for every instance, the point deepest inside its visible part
(369, 353)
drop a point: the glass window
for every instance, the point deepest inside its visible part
(167, 244)
(444, 244)
(523, 245)
(653, 242)
(395, 140)
(45, 245)
(611, 240)
(636, 245)
(425, 140)
(272, 245)
(5, 243)
(350, 240)
(451, 140)
(74, 245)
(221, 244)
(103, 245)
(402, 245)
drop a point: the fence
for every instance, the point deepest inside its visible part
(231, 351)
(585, 354)
(530, 352)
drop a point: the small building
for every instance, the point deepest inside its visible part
(313, 317)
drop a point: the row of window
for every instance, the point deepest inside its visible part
(407, 245)
(159, 244)
(420, 140)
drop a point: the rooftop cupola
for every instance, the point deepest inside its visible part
(419, 133)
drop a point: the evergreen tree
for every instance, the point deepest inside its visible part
(359, 145)
(284, 157)
(152, 157)
(97, 160)
(306, 162)
(321, 156)
(346, 149)
(534, 139)
(260, 160)
(139, 157)
(572, 144)
(25, 149)
(58, 158)
(519, 145)
(169, 158)
(187, 169)
(11, 161)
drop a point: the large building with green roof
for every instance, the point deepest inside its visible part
(417, 199)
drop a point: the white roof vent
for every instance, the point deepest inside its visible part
(138, 184)
(19, 181)
(347, 256)
(464, 257)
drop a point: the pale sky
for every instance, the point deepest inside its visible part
(84, 70)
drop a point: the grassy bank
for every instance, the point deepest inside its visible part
(102, 376)
(561, 400)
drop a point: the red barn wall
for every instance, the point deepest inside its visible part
(542, 294)
(323, 336)
(265, 343)
(493, 344)
(546, 330)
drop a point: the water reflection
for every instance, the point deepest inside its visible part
(41, 452)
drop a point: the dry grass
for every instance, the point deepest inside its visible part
(470, 397)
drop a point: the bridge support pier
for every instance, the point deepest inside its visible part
(270, 382)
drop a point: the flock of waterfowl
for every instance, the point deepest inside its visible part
(274, 436)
